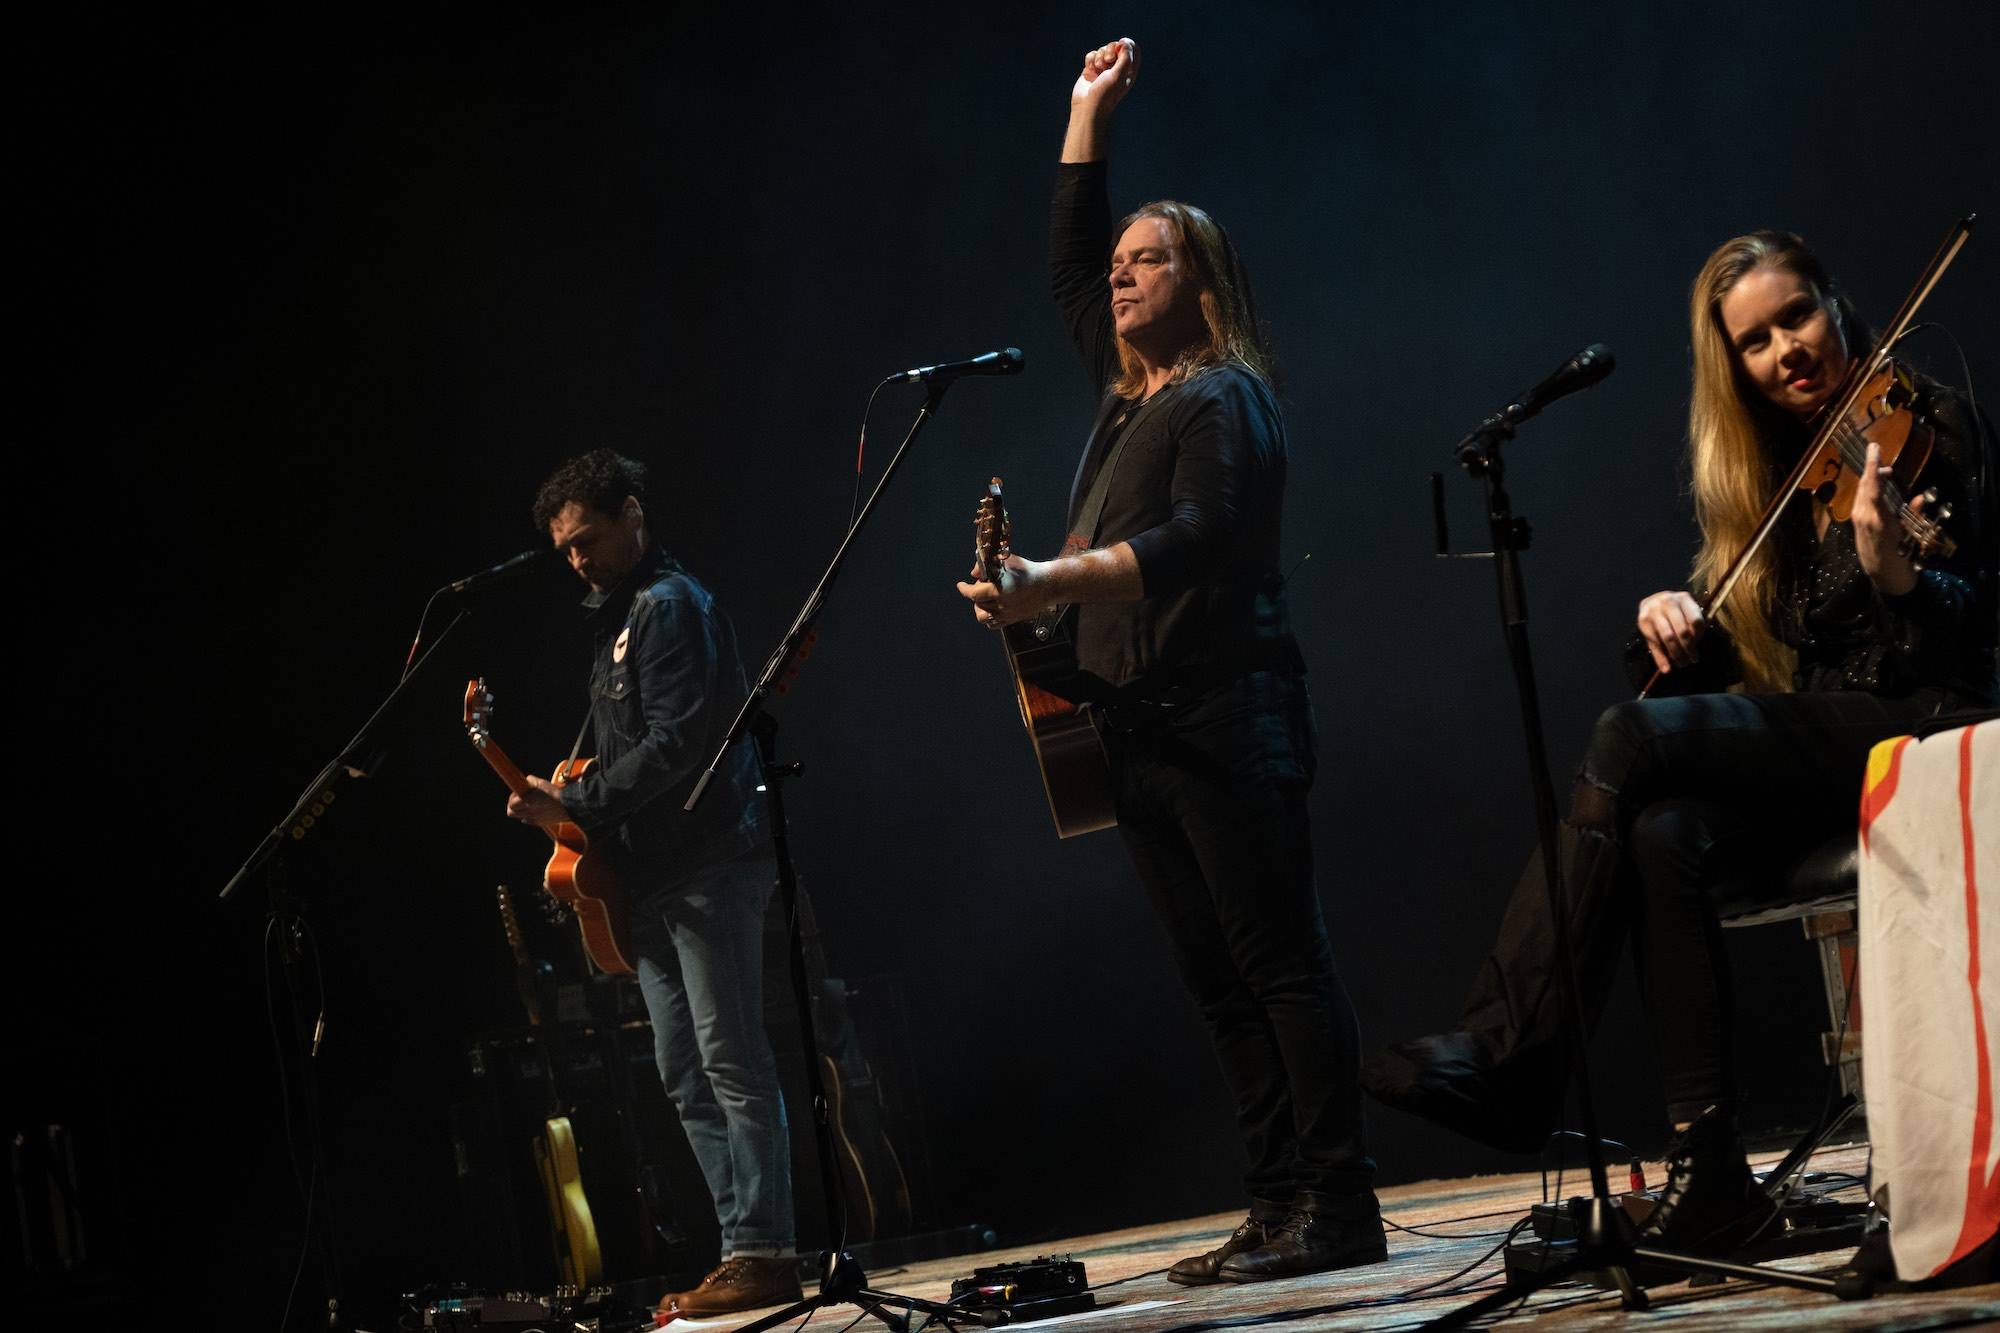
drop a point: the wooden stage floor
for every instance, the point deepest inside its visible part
(1417, 1284)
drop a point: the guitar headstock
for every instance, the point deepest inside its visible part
(991, 532)
(511, 923)
(478, 710)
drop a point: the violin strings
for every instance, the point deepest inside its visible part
(1853, 447)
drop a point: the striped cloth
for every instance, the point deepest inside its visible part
(1930, 988)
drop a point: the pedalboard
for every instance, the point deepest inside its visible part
(1808, 1223)
(568, 1309)
(1037, 1288)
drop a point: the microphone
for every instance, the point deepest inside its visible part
(505, 569)
(1581, 371)
(1006, 361)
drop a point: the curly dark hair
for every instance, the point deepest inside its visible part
(599, 480)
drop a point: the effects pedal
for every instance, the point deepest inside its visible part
(1035, 1289)
(590, 1310)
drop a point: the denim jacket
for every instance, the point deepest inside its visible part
(664, 687)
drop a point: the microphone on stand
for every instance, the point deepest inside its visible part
(1475, 452)
(505, 569)
(1006, 361)
(1581, 371)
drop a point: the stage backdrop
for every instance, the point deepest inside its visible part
(313, 304)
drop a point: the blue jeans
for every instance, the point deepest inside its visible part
(701, 969)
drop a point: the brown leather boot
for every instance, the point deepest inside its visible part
(1198, 1270)
(1324, 1232)
(741, 1283)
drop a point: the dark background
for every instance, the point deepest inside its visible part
(309, 308)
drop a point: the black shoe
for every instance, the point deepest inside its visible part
(1711, 1205)
(1198, 1270)
(1876, 1263)
(1323, 1232)
(1452, 1080)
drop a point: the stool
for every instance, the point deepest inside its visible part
(1822, 890)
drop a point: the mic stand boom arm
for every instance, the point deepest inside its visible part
(348, 763)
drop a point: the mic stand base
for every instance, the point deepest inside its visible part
(1607, 1242)
(841, 1281)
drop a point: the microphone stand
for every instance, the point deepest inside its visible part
(306, 812)
(1605, 1236)
(287, 918)
(841, 1278)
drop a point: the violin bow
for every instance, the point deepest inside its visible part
(1834, 417)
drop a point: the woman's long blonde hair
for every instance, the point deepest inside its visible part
(1732, 434)
(1226, 305)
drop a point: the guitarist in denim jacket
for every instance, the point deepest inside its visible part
(665, 683)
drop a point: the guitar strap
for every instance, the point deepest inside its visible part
(1088, 517)
(581, 732)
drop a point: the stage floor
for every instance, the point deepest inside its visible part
(1127, 1268)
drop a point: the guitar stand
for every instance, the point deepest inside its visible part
(1606, 1239)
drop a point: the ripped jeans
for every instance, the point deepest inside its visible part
(1680, 802)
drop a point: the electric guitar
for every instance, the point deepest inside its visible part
(1042, 660)
(585, 883)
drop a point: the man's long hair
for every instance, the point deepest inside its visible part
(1735, 438)
(1226, 305)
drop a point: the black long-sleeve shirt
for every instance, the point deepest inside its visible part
(1197, 490)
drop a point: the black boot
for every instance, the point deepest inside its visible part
(1323, 1232)
(1453, 1080)
(1711, 1205)
(1198, 1270)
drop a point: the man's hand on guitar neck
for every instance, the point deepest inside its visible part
(1029, 587)
(541, 806)
(1019, 594)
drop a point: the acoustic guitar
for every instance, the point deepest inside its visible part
(585, 883)
(1042, 661)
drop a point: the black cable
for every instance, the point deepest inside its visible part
(410, 661)
(1440, 1235)
(1557, 1135)
(312, 1186)
(865, 1312)
(1121, 1281)
(1411, 1296)
(305, 1187)
(861, 451)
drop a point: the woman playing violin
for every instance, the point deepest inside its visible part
(1832, 639)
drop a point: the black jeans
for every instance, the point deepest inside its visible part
(1212, 807)
(1681, 802)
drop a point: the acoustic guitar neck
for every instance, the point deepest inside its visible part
(478, 707)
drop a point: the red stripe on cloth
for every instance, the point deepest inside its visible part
(1982, 1191)
(1875, 796)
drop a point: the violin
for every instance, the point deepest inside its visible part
(1877, 404)
(1887, 413)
